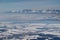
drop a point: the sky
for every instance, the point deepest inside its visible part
(6, 5)
(28, 4)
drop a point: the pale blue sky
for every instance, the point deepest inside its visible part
(30, 4)
(7, 5)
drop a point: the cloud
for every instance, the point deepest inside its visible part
(30, 17)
